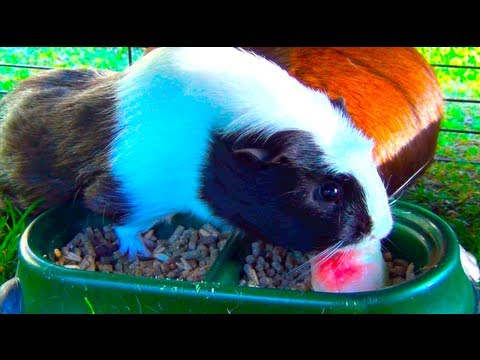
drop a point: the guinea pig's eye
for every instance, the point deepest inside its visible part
(330, 191)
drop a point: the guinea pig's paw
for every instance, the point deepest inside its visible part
(469, 264)
(131, 242)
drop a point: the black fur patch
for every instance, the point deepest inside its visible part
(54, 135)
(274, 199)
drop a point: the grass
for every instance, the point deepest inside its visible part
(12, 224)
(114, 58)
(451, 190)
(89, 304)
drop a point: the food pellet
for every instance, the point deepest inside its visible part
(409, 273)
(176, 234)
(211, 230)
(179, 256)
(269, 266)
(72, 266)
(265, 281)
(250, 259)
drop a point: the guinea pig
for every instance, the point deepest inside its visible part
(221, 133)
(392, 95)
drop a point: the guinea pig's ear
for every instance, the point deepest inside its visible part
(258, 156)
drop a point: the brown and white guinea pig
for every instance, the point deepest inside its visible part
(222, 133)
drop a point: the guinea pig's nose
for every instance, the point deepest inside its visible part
(364, 225)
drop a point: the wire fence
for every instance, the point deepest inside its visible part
(447, 100)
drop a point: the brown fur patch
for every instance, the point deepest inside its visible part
(54, 137)
(418, 152)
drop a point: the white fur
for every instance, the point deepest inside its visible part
(170, 100)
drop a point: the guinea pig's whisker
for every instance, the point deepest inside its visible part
(343, 256)
(388, 183)
(288, 192)
(395, 200)
(304, 268)
(329, 251)
(391, 242)
(406, 183)
(383, 247)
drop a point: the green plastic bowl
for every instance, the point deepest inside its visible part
(418, 236)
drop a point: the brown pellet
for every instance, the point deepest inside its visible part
(72, 267)
(73, 257)
(211, 230)
(176, 234)
(149, 234)
(203, 250)
(221, 244)
(265, 281)
(250, 259)
(271, 272)
(65, 250)
(410, 274)
(277, 266)
(89, 233)
(150, 244)
(397, 280)
(206, 239)
(256, 248)
(105, 268)
(161, 256)
(193, 254)
(387, 256)
(251, 274)
(77, 240)
(192, 245)
(400, 262)
(186, 265)
(213, 253)
(398, 270)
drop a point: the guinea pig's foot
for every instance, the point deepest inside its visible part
(131, 242)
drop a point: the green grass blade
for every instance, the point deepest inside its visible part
(11, 212)
(89, 305)
(12, 225)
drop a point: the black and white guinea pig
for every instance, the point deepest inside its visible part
(221, 133)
